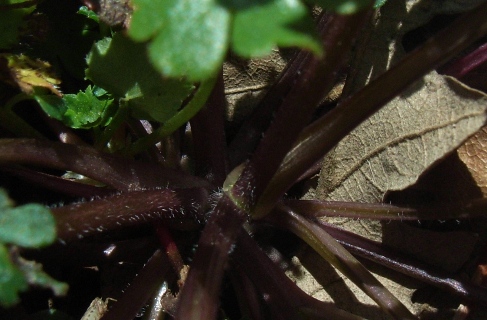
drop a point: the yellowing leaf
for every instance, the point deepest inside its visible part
(27, 73)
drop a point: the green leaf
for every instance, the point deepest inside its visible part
(189, 38)
(121, 66)
(83, 110)
(260, 26)
(12, 280)
(11, 22)
(51, 104)
(83, 10)
(344, 6)
(30, 225)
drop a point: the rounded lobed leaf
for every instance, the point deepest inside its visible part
(255, 34)
(30, 225)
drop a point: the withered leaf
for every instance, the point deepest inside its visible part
(474, 154)
(390, 150)
(27, 73)
(393, 148)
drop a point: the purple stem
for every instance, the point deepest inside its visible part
(282, 295)
(382, 255)
(208, 132)
(464, 65)
(79, 220)
(321, 136)
(253, 128)
(340, 258)
(248, 298)
(58, 184)
(141, 288)
(381, 211)
(120, 173)
(200, 294)
(315, 81)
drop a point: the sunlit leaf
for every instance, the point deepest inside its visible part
(255, 34)
(189, 38)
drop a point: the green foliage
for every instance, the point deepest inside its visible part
(12, 21)
(83, 10)
(255, 34)
(188, 38)
(30, 226)
(191, 38)
(119, 65)
(84, 110)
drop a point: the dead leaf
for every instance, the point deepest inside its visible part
(246, 82)
(392, 149)
(26, 73)
(474, 154)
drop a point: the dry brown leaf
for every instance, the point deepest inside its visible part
(474, 154)
(246, 82)
(392, 149)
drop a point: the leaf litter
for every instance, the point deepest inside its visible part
(390, 151)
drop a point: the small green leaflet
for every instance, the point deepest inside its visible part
(191, 38)
(82, 110)
(121, 66)
(30, 226)
(83, 10)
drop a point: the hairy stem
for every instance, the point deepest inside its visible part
(83, 219)
(120, 173)
(382, 255)
(199, 295)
